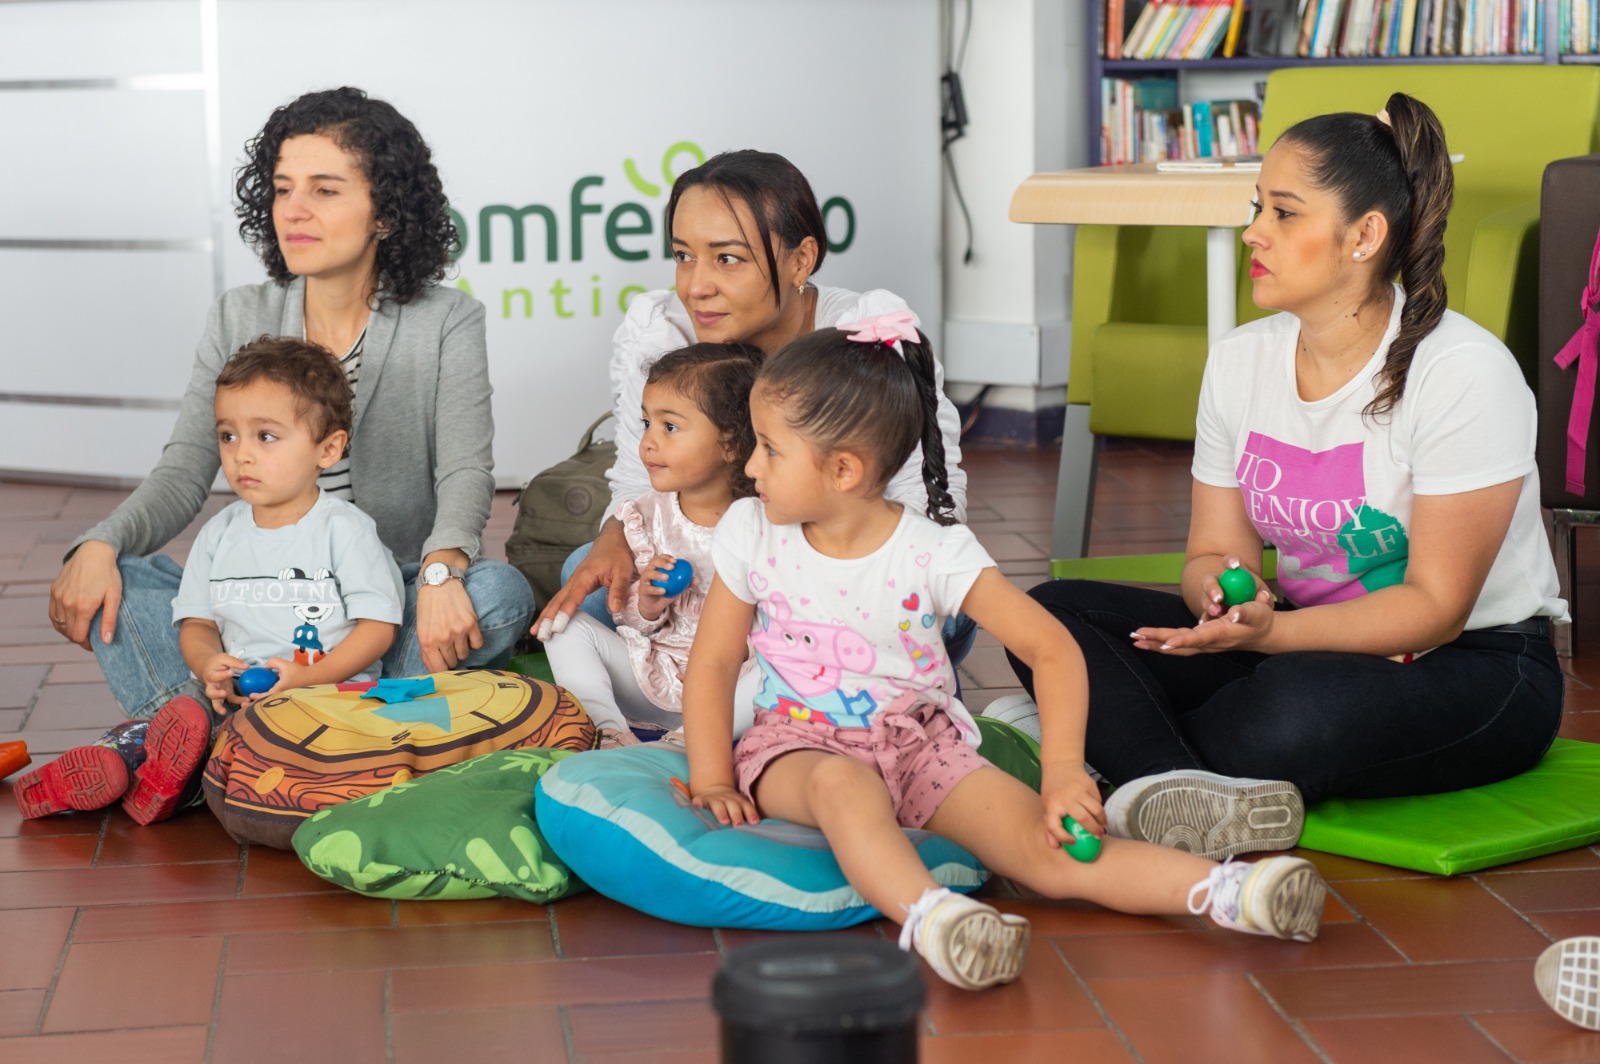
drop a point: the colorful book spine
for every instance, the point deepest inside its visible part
(1230, 43)
(1204, 131)
(1408, 27)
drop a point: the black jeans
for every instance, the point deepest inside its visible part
(1474, 711)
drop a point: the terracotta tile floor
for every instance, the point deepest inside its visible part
(171, 943)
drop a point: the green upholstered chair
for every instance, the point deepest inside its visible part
(1138, 300)
(1138, 304)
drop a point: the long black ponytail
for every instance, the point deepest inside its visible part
(1396, 164)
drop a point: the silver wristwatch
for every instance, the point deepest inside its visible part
(438, 572)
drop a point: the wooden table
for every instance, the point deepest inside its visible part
(1136, 194)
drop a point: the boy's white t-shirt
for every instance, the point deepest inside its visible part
(1333, 489)
(838, 639)
(291, 592)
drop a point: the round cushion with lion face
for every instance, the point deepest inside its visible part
(279, 760)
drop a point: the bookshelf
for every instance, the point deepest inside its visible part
(1100, 67)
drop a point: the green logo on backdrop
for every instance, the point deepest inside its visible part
(630, 231)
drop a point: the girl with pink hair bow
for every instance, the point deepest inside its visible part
(858, 728)
(747, 239)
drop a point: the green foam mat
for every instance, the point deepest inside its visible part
(1164, 568)
(535, 665)
(1554, 806)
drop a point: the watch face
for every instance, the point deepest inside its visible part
(436, 574)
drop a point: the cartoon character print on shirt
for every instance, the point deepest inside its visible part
(308, 648)
(1312, 505)
(803, 663)
(925, 657)
(928, 670)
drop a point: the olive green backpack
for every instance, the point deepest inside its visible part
(559, 511)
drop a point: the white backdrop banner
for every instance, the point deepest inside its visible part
(559, 128)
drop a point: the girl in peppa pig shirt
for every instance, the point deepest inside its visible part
(842, 593)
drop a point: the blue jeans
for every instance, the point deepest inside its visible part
(960, 631)
(502, 600)
(1480, 709)
(145, 669)
(595, 604)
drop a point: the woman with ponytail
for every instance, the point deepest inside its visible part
(1384, 446)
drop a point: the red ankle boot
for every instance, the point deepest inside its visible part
(85, 777)
(175, 753)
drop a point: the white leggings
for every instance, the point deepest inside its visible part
(592, 662)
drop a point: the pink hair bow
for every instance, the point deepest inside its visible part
(884, 328)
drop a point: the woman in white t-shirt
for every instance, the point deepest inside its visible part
(1385, 446)
(747, 236)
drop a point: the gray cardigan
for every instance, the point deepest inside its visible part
(420, 452)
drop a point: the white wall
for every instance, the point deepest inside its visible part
(1007, 312)
(519, 100)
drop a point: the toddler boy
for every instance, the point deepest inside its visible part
(288, 577)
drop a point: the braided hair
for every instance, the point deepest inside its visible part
(864, 396)
(1402, 170)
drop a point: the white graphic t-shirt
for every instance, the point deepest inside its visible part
(1333, 489)
(837, 639)
(291, 592)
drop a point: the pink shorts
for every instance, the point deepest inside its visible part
(916, 748)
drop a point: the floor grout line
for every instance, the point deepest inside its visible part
(55, 977)
(214, 1027)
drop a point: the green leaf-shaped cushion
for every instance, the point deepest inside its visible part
(1009, 750)
(464, 831)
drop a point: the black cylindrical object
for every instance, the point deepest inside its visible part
(819, 999)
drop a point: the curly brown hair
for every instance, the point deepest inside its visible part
(407, 194)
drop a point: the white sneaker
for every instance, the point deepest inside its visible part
(1019, 711)
(1207, 814)
(1277, 896)
(971, 945)
(1568, 977)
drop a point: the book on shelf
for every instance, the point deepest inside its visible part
(1230, 40)
(1577, 20)
(1167, 29)
(1205, 136)
(1142, 121)
(1308, 26)
(1175, 30)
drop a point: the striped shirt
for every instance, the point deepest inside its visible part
(335, 480)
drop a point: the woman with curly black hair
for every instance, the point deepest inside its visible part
(340, 198)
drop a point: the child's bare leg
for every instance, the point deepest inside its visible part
(969, 944)
(849, 802)
(1001, 821)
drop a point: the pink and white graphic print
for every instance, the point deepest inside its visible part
(1312, 505)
